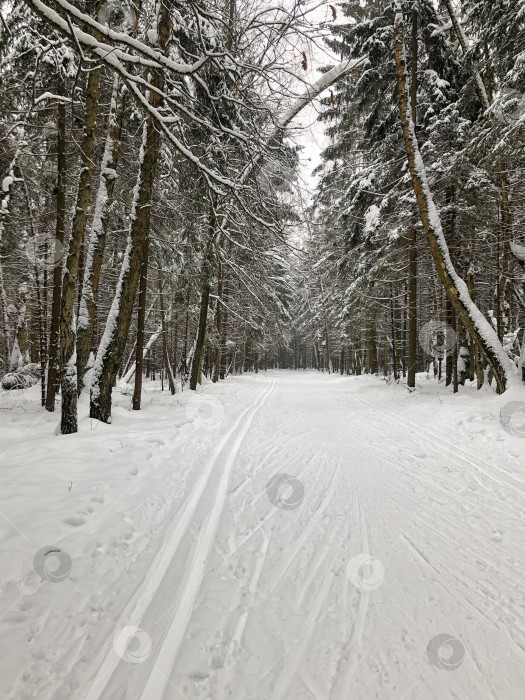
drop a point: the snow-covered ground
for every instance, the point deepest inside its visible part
(280, 536)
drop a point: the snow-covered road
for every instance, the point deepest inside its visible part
(319, 538)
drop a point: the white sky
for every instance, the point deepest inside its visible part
(306, 130)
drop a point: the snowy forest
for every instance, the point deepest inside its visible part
(151, 212)
(322, 201)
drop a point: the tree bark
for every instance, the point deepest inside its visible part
(52, 370)
(393, 327)
(198, 357)
(224, 331)
(40, 299)
(141, 324)
(412, 247)
(69, 422)
(412, 309)
(218, 324)
(97, 236)
(167, 363)
(200, 345)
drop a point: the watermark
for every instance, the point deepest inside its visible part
(445, 652)
(43, 250)
(52, 564)
(207, 411)
(59, 253)
(285, 491)
(512, 418)
(132, 644)
(119, 15)
(438, 339)
(509, 106)
(365, 572)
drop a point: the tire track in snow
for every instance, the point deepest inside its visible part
(134, 611)
(158, 679)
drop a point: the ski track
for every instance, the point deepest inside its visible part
(159, 676)
(436, 440)
(245, 600)
(134, 612)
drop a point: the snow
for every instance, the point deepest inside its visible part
(372, 218)
(319, 86)
(518, 251)
(6, 183)
(153, 37)
(286, 535)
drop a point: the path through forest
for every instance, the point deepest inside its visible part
(326, 538)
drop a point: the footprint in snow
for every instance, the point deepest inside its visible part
(75, 522)
(199, 676)
(496, 536)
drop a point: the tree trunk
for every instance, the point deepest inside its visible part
(218, 324)
(141, 324)
(52, 370)
(40, 299)
(97, 236)
(112, 346)
(224, 332)
(167, 363)
(68, 362)
(184, 359)
(393, 327)
(412, 249)
(198, 357)
(412, 309)
(455, 287)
